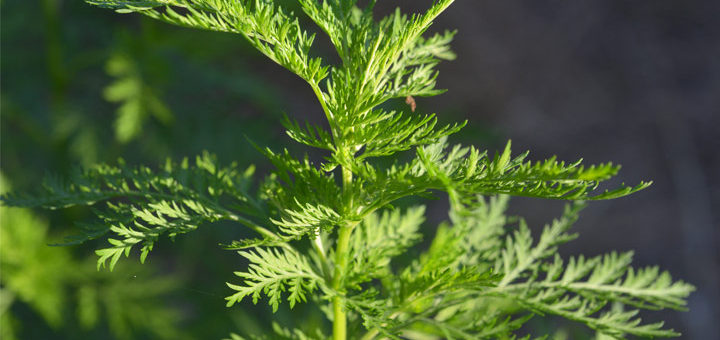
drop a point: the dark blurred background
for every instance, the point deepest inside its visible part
(635, 83)
(632, 82)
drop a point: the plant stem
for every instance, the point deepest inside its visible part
(341, 252)
(341, 261)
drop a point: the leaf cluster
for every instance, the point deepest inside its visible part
(140, 204)
(486, 280)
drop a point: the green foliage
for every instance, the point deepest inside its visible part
(138, 101)
(328, 232)
(172, 201)
(581, 289)
(467, 170)
(281, 333)
(378, 239)
(62, 290)
(32, 271)
(273, 271)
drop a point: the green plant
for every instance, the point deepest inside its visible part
(54, 284)
(328, 231)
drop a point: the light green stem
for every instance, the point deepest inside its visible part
(341, 262)
(341, 252)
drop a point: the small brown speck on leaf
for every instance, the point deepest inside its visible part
(411, 101)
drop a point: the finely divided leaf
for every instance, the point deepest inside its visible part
(272, 272)
(141, 204)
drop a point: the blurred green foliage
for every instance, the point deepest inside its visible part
(81, 85)
(137, 97)
(65, 291)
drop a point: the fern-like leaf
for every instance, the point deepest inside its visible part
(469, 171)
(140, 204)
(265, 25)
(378, 239)
(273, 271)
(582, 289)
